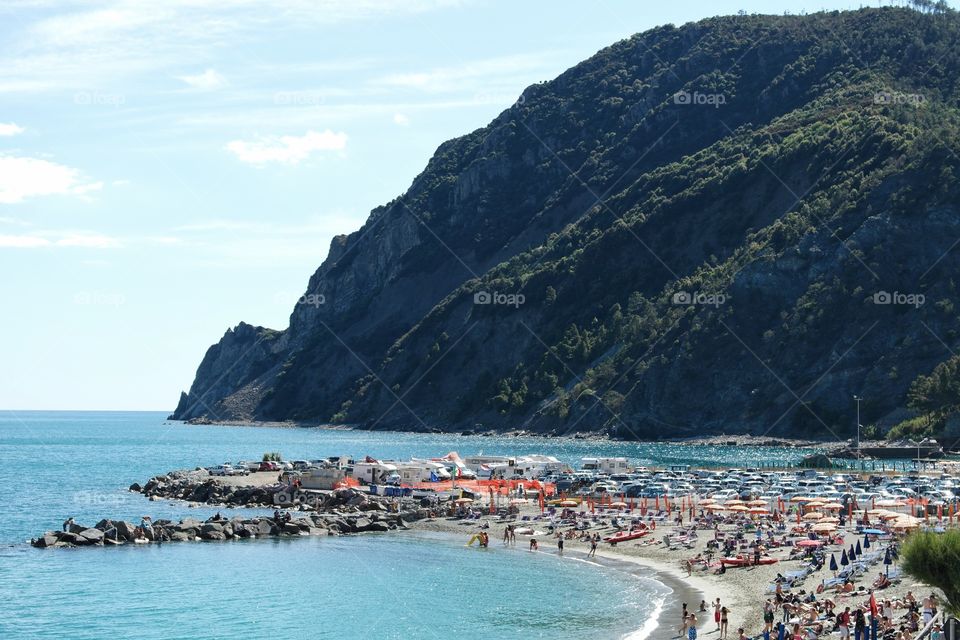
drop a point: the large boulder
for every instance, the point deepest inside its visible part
(213, 535)
(181, 536)
(104, 525)
(92, 536)
(70, 538)
(208, 527)
(125, 530)
(44, 541)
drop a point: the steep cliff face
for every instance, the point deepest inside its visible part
(692, 230)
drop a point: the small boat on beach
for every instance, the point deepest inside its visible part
(626, 536)
(746, 561)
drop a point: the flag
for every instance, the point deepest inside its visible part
(874, 609)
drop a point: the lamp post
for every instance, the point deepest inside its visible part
(858, 399)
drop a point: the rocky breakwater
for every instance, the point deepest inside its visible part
(344, 511)
(199, 486)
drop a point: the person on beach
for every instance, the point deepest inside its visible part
(692, 627)
(506, 535)
(683, 621)
(768, 616)
(593, 547)
(67, 523)
(741, 635)
(703, 606)
(724, 621)
(929, 606)
(859, 625)
(716, 612)
(560, 545)
(843, 621)
(533, 544)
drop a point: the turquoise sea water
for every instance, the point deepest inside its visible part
(59, 464)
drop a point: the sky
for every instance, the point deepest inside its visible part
(169, 169)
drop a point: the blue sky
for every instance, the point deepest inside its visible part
(170, 168)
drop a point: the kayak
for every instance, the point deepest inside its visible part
(625, 536)
(741, 561)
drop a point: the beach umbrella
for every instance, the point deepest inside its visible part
(843, 558)
(737, 507)
(568, 503)
(853, 553)
(887, 560)
(866, 541)
(824, 527)
(833, 563)
(832, 506)
(859, 550)
(759, 511)
(618, 505)
(812, 516)
(809, 543)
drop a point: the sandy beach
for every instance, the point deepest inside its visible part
(742, 590)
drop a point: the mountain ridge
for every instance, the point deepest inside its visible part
(759, 160)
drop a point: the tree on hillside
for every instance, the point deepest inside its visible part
(934, 559)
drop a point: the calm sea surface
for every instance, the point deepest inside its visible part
(416, 585)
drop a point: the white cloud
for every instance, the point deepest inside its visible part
(206, 81)
(23, 242)
(401, 119)
(88, 241)
(10, 129)
(22, 178)
(287, 149)
(83, 240)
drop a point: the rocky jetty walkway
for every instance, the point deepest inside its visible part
(344, 511)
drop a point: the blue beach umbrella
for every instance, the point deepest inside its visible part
(887, 560)
(833, 563)
(866, 541)
(852, 554)
(859, 550)
(843, 558)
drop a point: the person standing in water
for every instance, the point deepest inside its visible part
(692, 627)
(560, 545)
